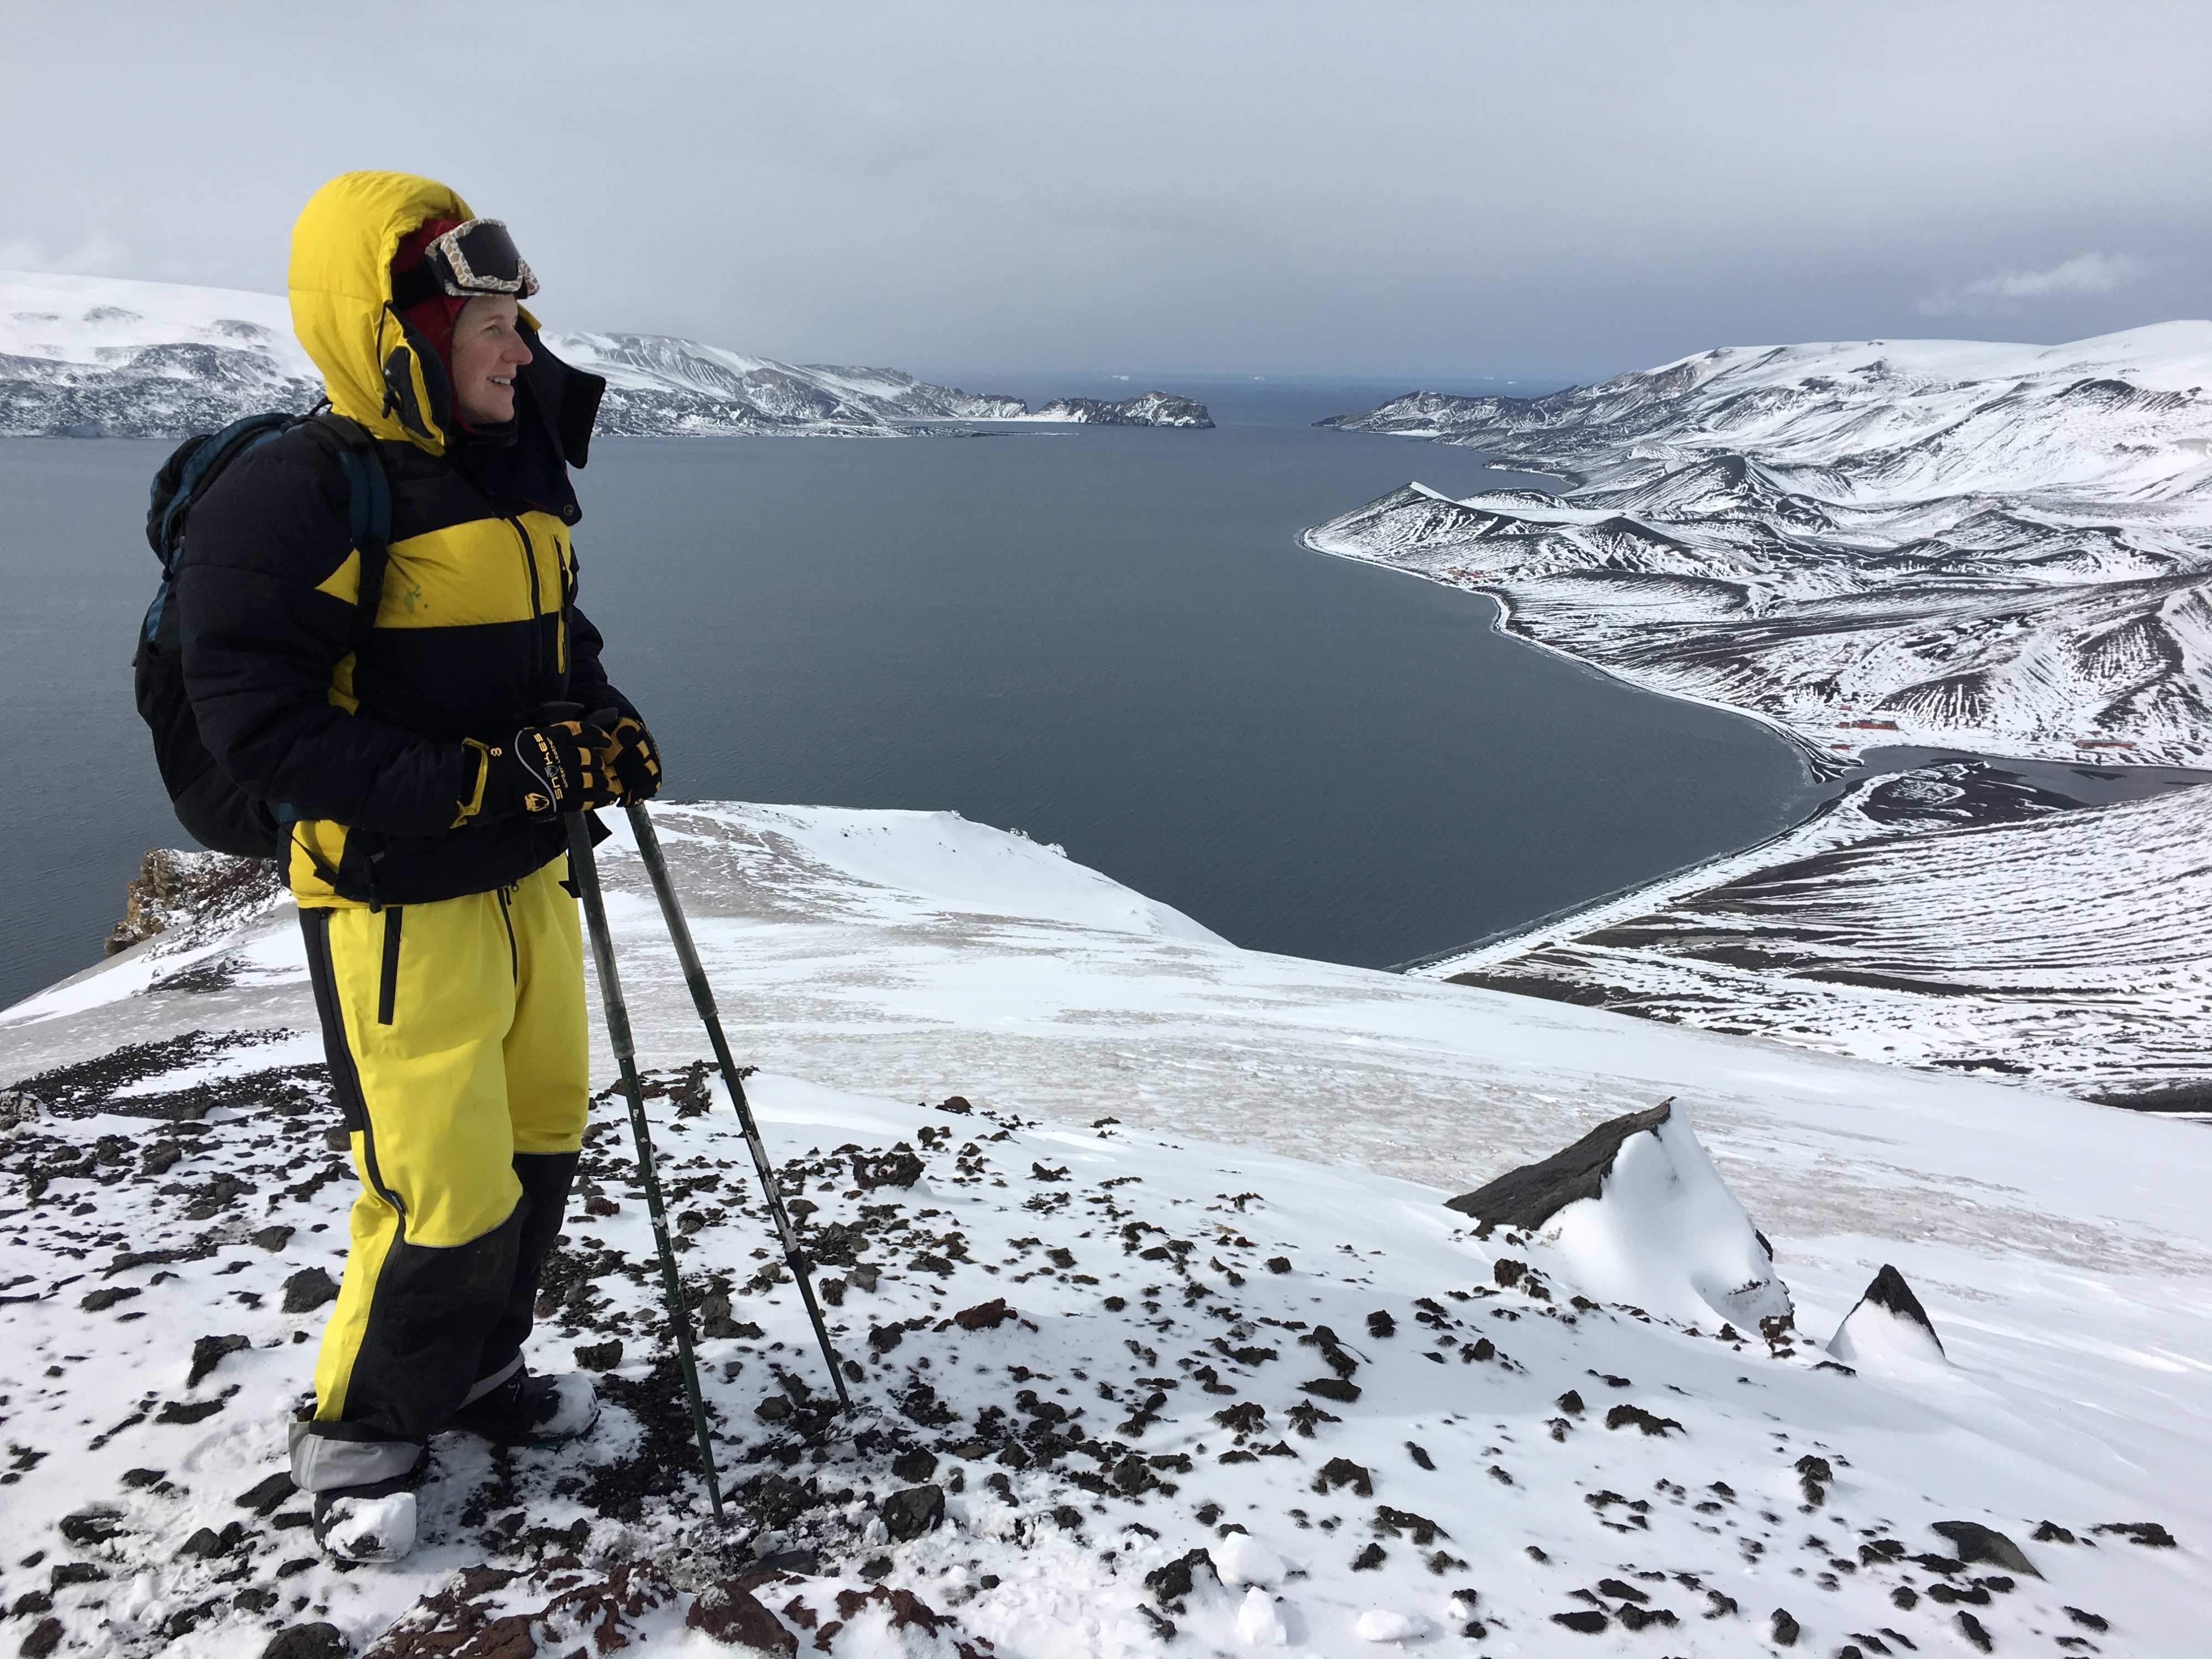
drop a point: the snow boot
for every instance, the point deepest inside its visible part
(374, 1523)
(532, 1411)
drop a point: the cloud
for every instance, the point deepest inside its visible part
(2008, 290)
(96, 256)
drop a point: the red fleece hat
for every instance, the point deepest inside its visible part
(433, 318)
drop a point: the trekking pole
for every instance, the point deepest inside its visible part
(703, 994)
(585, 870)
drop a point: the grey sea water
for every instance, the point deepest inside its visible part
(1109, 638)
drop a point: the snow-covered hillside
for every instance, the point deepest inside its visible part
(659, 384)
(1948, 916)
(88, 356)
(94, 354)
(1173, 1275)
(2005, 548)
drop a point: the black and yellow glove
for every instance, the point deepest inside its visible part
(631, 757)
(557, 767)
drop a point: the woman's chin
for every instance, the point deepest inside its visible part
(489, 411)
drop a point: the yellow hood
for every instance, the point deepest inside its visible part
(341, 288)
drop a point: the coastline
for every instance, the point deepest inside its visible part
(1936, 965)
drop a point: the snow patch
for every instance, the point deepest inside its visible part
(1666, 1235)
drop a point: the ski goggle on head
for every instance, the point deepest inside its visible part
(478, 257)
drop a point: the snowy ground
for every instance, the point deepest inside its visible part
(1269, 1109)
(1953, 915)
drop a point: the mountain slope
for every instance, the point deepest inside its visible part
(2063, 947)
(2006, 548)
(88, 356)
(142, 359)
(1447, 1490)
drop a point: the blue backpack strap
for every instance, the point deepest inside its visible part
(368, 512)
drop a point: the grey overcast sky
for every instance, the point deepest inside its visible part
(1430, 190)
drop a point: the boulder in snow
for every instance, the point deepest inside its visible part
(1971, 1541)
(1888, 1324)
(1640, 1216)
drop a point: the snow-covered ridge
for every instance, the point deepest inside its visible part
(88, 356)
(2004, 548)
(1145, 409)
(1420, 1431)
(94, 353)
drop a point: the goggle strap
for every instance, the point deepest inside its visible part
(412, 287)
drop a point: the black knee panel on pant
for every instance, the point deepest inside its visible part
(546, 1178)
(426, 1330)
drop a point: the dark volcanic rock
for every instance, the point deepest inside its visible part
(1974, 1542)
(917, 1464)
(914, 1511)
(2149, 1534)
(307, 1290)
(1180, 1576)
(728, 1612)
(209, 1352)
(265, 1495)
(1530, 1195)
(984, 1316)
(599, 1356)
(177, 1411)
(899, 1167)
(1891, 1292)
(305, 1642)
(1785, 1629)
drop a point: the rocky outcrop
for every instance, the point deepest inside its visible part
(173, 886)
(1888, 1324)
(1531, 1195)
(1636, 1215)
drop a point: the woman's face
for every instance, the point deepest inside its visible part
(486, 350)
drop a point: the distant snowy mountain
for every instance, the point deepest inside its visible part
(1145, 409)
(1162, 1337)
(2003, 547)
(1949, 916)
(143, 360)
(657, 384)
(91, 355)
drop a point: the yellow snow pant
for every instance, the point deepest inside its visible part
(459, 1053)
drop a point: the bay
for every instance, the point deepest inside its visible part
(1107, 637)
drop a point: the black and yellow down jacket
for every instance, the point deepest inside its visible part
(363, 753)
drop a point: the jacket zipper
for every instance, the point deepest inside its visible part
(537, 600)
(388, 991)
(507, 916)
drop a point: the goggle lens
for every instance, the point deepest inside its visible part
(481, 257)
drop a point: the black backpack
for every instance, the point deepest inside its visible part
(214, 811)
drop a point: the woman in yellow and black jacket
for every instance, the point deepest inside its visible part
(420, 784)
